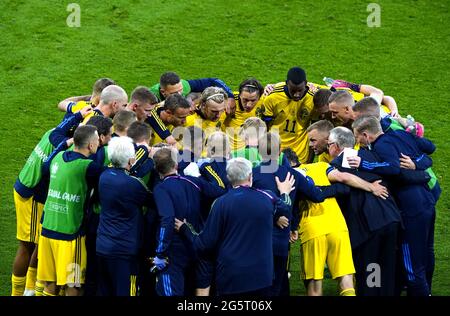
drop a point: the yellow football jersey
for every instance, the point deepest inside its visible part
(319, 218)
(196, 119)
(313, 87)
(208, 126)
(80, 105)
(290, 119)
(91, 114)
(232, 123)
(155, 139)
(325, 157)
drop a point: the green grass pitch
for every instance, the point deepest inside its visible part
(44, 61)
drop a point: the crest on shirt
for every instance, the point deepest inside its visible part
(54, 168)
(303, 114)
(260, 111)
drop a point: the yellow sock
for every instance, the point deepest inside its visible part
(39, 288)
(17, 285)
(31, 278)
(348, 292)
(45, 293)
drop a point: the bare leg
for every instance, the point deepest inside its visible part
(22, 260)
(346, 285)
(202, 292)
(314, 288)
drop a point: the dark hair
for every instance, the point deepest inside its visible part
(83, 135)
(321, 97)
(175, 101)
(143, 95)
(164, 161)
(251, 85)
(296, 75)
(101, 84)
(139, 131)
(291, 156)
(102, 123)
(168, 79)
(123, 119)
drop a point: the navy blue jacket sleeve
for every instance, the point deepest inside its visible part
(211, 175)
(409, 176)
(282, 206)
(335, 189)
(93, 173)
(166, 212)
(425, 145)
(141, 158)
(368, 164)
(389, 156)
(423, 162)
(157, 125)
(267, 119)
(208, 239)
(60, 133)
(198, 85)
(210, 190)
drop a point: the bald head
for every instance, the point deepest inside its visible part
(112, 100)
(113, 93)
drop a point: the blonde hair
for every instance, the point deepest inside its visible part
(215, 94)
(252, 128)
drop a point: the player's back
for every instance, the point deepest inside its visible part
(122, 198)
(319, 218)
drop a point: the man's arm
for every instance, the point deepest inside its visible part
(166, 212)
(391, 104)
(210, 190)
(158, 125)
(66, 105)
(349, 179)
(425, 145)
(198, 85)
(388, 157)
(208, 239)
(60, 133)
(373, 92)
(208, 172)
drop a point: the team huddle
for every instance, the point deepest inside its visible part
(188, 188)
